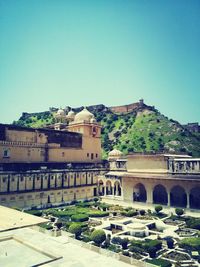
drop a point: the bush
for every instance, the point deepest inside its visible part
(46, 226)
(124, 243)
(193, 223)
(179, 211)
(96, 199)
(190, 243)
(158, 208)
(75, 229)
(129, 213)
(58, 224)
(79, 217)
(98, 236)
(116, 240)
(98, 213)
(152, 252)
(170, 243)
(142, 212)
(125, 253)
(160, 262)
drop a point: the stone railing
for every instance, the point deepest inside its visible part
(18, 143)
(184, 166)
(91, 247)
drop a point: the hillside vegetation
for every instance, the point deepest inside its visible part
(141, 130)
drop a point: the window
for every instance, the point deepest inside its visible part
(22, 179)
(4, 179)
(63, 154)
(92, 156)
(6, 153)
(88, 155)
(96, 155)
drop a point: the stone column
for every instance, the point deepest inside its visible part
(149, 195)
(188, 200)
(168, 198)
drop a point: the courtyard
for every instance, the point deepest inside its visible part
(134, 233)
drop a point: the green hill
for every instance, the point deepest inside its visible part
(143, 129)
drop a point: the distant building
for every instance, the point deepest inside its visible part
(193, 127)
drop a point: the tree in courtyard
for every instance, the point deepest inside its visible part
(124, 243)
(179, 211)
(75, 229)
(170, 242)
(58, 224)
(98, 236)
(158, 208)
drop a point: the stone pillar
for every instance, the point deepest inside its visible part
(188, 200)
(168, 198)
(149, 195)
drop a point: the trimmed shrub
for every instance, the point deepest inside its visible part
(98, 236)
(75, 229)
(160, 262)
(170, 243)
(96, 199)
(124, 243)
(190, 243)
(59, 224)
(152, 252)
(116, 240)
(158, 208)
(193, 223)
(125, 253)
(142, 212)
(98, 213)
(179, 211)
(79, 217)
(46, 226)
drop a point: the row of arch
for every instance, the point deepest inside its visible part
(109, 189)
(177, 197)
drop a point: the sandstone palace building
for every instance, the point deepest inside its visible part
(63, 163)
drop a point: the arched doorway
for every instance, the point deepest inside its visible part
(117, 189)
(100, 188)
(139, 193)
(195, 198)
(160, 195)
(178, 197)
(108, 188)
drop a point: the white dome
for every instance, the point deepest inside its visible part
(60, 112)
(115, 153)
(93, 120)
(71, 113)
(84, 116)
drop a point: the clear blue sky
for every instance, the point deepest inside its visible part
(70, 52)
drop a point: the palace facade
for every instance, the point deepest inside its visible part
(43, 166)
(171, 180)
(63, 163)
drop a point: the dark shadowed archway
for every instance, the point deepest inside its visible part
(178, 197)
(117, 188)
(139, 193)
(160, 195)
(108, 188)
(100, 188)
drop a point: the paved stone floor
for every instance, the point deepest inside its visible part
(73, 255)
(13, 253)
